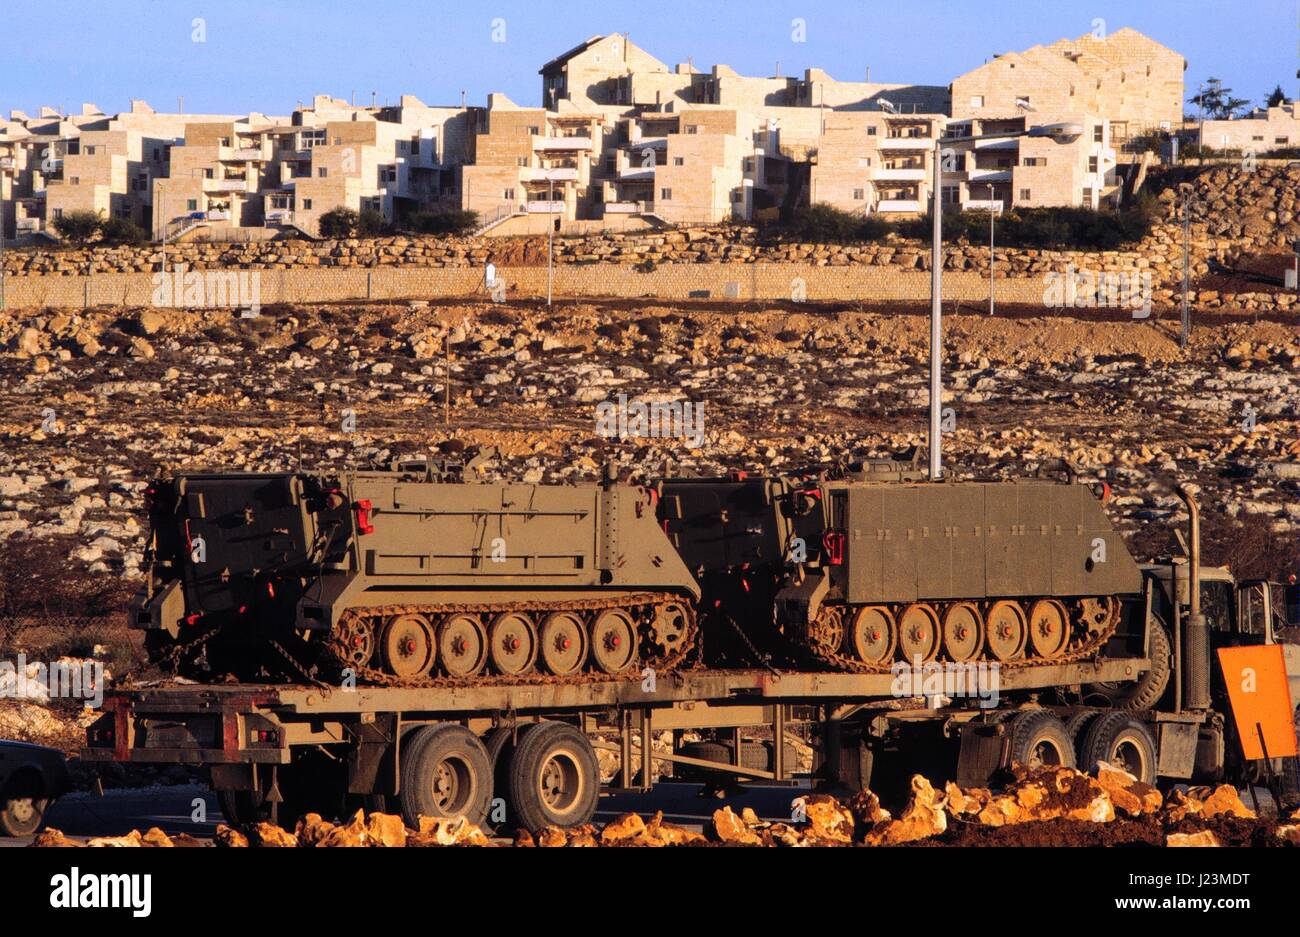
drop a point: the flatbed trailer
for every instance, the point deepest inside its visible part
(252, 735)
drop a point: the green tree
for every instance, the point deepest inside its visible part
(444, 222)
(77, 227)
(1278, 97)
(1216, 101)
(339, 223)
(122, 231)
(372, 224)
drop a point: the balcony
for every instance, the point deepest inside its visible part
(906, 143)
(8, 163)
(982, 204)
(242, 155)
(226, 185)
(624, 208)
(279, 216)
(637, 174)
(908, 174)
(890, 205)
(1012, 144)
(543, 207)
(562, 144)
(218, 214)
(985, 176)
(27, 225)
(559, 174)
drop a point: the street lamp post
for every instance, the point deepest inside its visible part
(991, 306)
(1060, 133)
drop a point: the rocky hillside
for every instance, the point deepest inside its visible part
(93, 405)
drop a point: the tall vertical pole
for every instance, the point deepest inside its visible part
(936, 309)
(550, 232)
(1186, 324)
(990, 248)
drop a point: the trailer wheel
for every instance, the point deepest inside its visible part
(22, 808)
(554, 778)
(445, 773)
(1039, 739)
(1147, 690)
(501, 744)
(1123, 741)
(1077, 727)
(241, 808)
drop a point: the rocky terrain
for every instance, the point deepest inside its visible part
(93, 405)
(1039, 806)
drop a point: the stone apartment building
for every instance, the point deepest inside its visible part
(621, 140)
(1260, 131)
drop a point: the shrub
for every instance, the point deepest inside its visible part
(122, 231)
(372, 224)
(822, 223)
(339, 223)
(77, 227)
(444, 222)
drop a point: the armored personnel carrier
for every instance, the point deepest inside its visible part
(878, 565)
(403, 577)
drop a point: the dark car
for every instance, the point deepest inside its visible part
(31, 777)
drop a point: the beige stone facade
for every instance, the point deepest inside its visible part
(621, 139)
(1258, 132)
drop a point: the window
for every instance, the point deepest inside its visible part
(859, 194)
(1025, 195)
(534, 131)
(692, 128)
(322, 172)
(1280, 139)
(157, 154)
(871, 131)
(951, 194)
(387, 174)
(403, 146)
(749, 164)
(1093, 164)
(1034, 161)
(281, 201)
(90, 151)
(58, 213)
(977, 100)
(1099, 133)
(1087, 196)
(679, 161)
(74, 180)
(738, 196)
(192, 204)
(508, 195)
(306, 204)
(1258, 139)
(225, 141)
(666, 195)
(523, 161)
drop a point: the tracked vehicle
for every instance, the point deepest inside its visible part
(879, 565)
(406, 577)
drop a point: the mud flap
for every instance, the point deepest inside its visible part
(983, 752)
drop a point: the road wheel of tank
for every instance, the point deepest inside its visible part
(512, 643)
(1148, 689)
(1005, 630)
(22, 808)
(918, 633)
(462, 645)
(1122, 741)
(407, 647)
(562, 641)
(670, 628)
(963, 632)
(1049, 628)
(1039, 739)
(445, 773)
(873, 635)
(613, 640)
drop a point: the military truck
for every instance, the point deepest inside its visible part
(516, 750)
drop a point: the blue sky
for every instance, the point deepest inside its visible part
(269, 54)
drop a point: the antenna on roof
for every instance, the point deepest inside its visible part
(373, 95)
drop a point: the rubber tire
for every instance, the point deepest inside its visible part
(525, 768)
(1030, 728)
(1147, 690)
(241, 808)
(1077, 727)
(501, 744)
(752, 755)
(428, 746)
(1110, 728)
(1290, 769)
(10, 825)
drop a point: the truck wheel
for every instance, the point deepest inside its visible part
(1146, 691)
(1077, 727)
(1039, 739)
(554, 778)
(22, 808)
(445, 773)
(1291, 772)
(501, 744)
(241, 807)
(1123, 741)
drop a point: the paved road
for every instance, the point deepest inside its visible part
(172, 808)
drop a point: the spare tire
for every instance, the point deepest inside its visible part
(1147, 690)
(755, 755)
